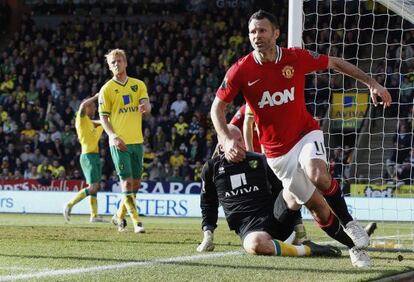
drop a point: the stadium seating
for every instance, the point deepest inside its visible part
(46, 71)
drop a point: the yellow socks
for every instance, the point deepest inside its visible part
(82, 194)
(129, 202)
(288, 250)
(93, 205)
(122, 210)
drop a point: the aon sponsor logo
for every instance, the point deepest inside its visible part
(277, 98)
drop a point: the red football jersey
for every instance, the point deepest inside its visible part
(275, 94)
(238, 120)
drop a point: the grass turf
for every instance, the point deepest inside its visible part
(31, 244)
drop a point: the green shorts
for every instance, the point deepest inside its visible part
(91, 167)
(129, 163)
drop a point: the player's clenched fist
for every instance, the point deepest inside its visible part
(234, 150)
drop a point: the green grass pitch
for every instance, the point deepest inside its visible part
(44, 248)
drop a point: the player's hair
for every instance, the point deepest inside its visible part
(115, 52)
(261, 14)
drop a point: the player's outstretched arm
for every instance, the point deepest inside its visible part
(375, 88)
(248, 124)
(86, 102)
(234, 150)
(209, 209)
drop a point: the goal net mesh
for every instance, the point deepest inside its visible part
(370, 148)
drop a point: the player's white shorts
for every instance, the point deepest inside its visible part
(289, 168)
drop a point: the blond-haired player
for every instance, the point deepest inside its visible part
(89, 132)
(122, 101)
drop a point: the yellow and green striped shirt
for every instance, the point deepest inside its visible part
(120, 103)
(88, 134)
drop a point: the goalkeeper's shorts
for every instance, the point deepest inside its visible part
(267, 223)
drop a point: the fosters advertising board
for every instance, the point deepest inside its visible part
(186, 205)
(348, 110)
(176, 205)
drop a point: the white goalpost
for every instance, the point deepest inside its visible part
(370, 148)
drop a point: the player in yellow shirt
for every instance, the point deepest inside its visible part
(122, 101)
(89, 132)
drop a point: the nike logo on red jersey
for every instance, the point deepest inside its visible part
(253, 82)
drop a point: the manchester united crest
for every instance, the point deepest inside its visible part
(288, 72)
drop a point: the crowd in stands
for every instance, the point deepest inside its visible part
(45, 72)
(106, 7)
(4, 16)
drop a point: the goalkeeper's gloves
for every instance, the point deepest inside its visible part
(207, 245)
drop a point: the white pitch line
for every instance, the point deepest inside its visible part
(408, 236)
(74, 271)
(21, 268)
(374, 238)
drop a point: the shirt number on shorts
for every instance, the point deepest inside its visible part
(320, 148)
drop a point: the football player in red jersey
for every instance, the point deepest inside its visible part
(272, 81)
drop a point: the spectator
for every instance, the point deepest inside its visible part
(168, 171)
(38, 157)
(181, 125)
(57, 170)
(174, 138)
(156, 170)
(198, 171)
(44, 167)
(403, 141)
(5, 163)
(194, 127)
(31, 171)
(337, 163)
(186, 169)
(45, 178)
(194, 153)
(175, 176)
(19, 166)
(32, 95)
(159, 140)
(27, 155)
(77, 175)
(28, 133)
(149, 155)
(68, 136)
(43, 82)
(10, 126)
(177, 159)
(179, 106)
(5, 174)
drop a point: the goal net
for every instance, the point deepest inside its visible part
(370, 147)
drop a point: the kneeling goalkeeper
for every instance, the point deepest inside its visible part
(254, 206)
